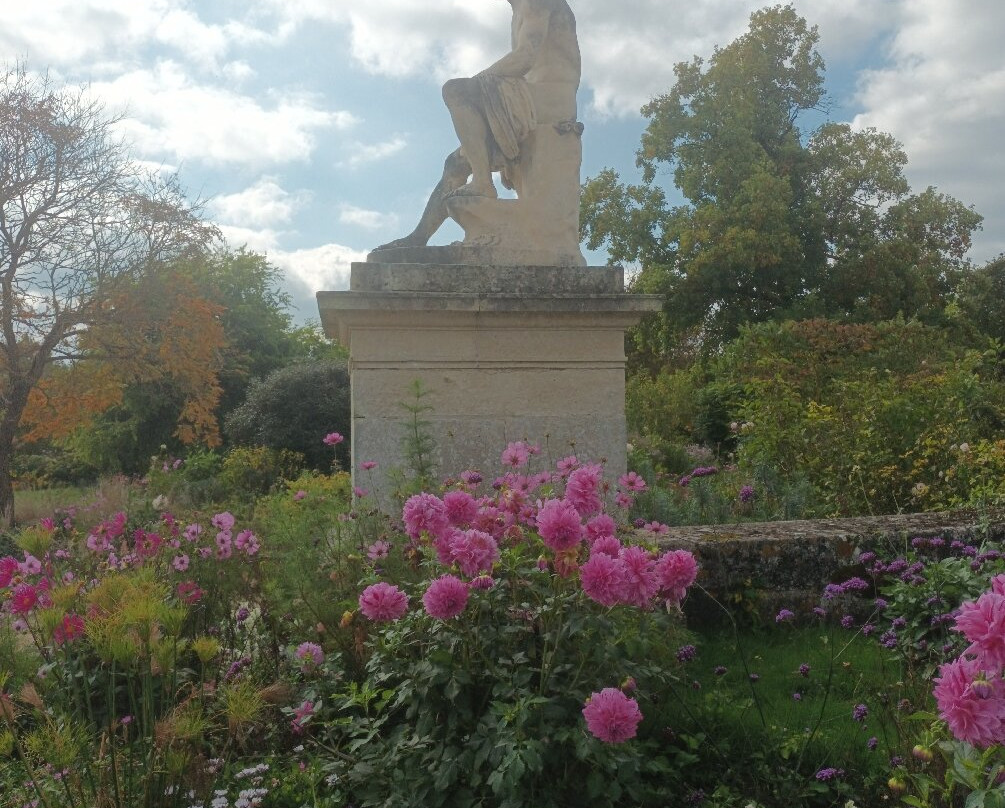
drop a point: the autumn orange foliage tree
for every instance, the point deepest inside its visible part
(86, 244)
(163, 331)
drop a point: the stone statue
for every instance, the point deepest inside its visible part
(517, 117)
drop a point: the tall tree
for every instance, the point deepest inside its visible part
(79, 224)
(777, 222)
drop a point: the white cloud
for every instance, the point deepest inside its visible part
(260, 240)
(943, 95)
(367, 219)
(363, 153)
(66, 33)
(324, 268)
(404, 37)
(171, 115)
(264, 204)
(238, 71)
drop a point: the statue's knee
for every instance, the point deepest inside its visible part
(455, 91)
(457, 166)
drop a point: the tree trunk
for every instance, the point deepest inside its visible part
(17, 400)
(6, 484)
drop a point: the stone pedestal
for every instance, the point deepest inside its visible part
(506, 353)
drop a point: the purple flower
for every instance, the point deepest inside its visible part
(889, 639)
(804, 670)
(720, 670)
(847, 621)
(829, 774)
(854, 585)
(746, 494)
(860, 712)
(872, 743)
(686, 653)
(784, 615)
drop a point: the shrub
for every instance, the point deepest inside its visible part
(879, 418)
(293, 408)
(253, 471)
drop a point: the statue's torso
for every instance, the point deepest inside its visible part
(554, 78)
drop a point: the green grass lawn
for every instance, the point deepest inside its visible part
(744, 697)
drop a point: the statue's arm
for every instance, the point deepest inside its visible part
(529, 39)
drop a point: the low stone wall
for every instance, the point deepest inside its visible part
(762, 566)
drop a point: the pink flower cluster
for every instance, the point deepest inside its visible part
(970, 691)
(466, 533)
(617, 575)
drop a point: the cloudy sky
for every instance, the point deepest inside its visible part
(315, 127)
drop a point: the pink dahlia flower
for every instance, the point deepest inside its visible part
(998, 584)
(474, 551)
(676, 571)
(983, 623)
(424, 513)
(383, 602)
(612, 716)
(23, 599)
(560, 525)
(583, 489)
(71, 627)
(600, 526)
(603, 579)
(8, 569)
(446, 597)
(606, 545)
(332, 439)
(460, 507)
(641, 583)
(974, 715)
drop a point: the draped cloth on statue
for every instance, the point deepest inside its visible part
(509, 112)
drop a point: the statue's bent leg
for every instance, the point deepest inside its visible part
(456, 171)
(462, 98)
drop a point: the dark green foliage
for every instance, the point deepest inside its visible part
(256, 319)
(50, 465)
(982, 298)
(294, 408)
(486, 709)
(778, 222)
(123, 438)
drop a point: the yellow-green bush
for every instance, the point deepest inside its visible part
(874, 415)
